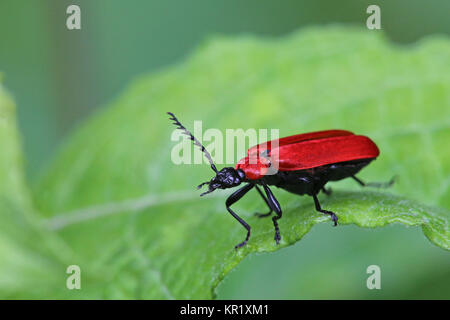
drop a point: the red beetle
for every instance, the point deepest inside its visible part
(304, 163)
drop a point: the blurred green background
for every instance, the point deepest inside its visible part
(58, 77)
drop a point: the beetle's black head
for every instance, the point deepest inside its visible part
(224, 179)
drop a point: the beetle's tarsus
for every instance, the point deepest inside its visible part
(243, 243)
(392, 181)
(262, 215)
(334, 218)
(380, 185)
(277, 237)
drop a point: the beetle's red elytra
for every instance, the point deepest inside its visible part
(305, 164)
(307, 151)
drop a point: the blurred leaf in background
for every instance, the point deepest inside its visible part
(31, 258)
(116, 199)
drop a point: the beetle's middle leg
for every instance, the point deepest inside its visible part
(262, 215)
(275, 206)
(333, 216)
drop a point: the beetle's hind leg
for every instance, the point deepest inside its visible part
(328, 191)
(262, 215)
(333, 216)
(375, 184)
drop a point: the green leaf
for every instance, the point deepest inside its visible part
(32, 259)
(133, 216)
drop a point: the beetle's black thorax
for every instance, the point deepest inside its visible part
(310, 181)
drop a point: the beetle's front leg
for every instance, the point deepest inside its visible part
(237, 195)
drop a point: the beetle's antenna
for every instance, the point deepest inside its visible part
(194, 139)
